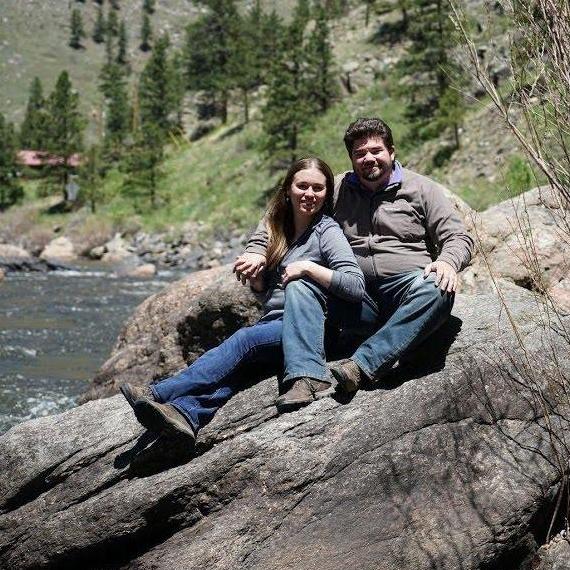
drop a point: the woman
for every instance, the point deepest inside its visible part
(304, 243)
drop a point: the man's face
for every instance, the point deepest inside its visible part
(371, 160)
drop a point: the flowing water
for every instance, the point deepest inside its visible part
(56, 329)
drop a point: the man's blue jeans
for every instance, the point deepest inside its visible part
(398, 312)
(208, 383)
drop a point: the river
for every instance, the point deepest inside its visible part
(56, 329)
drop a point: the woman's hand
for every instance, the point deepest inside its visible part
(296, 270)
(248, 266)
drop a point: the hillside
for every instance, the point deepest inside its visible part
(222, 180)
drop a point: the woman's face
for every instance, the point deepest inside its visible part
(308, 191)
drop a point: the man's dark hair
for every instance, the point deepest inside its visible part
(362, 128)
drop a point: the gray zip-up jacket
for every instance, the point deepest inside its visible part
(324, 243)
(394, 230)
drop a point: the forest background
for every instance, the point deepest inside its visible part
(185, 112)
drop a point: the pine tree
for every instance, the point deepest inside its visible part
(148, 6)
(369, 5)
(289, 109)
(322, 87)
(113, 86)
(209, 63)
(428, 69)
(143, 167)
(99, 28)
(77, 31)
(155, 88)
(146, 33)
(33, 132)
(65, 127)
(91, 178)
(123, 42)
(10, 191)
(177, 86)
(112, 23)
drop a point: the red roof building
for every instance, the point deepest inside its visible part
(38, 158)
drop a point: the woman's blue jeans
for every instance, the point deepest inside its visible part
(199, 390)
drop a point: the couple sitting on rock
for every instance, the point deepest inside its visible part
(356, 252)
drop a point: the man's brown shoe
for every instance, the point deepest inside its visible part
(348, 375)
(133, 393)
(303, 391)
(163, 418)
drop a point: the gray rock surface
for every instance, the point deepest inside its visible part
(174, 327)
(553, 556)
(447, 465)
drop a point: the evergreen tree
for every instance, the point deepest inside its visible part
(143, 167)
(113, 86)
(10, 191)
(122, 57)
(209, 64)
(99, 28)
(146, 33)
(91, 178)
(369, 4)
(115, 4)
(33, 132)
(77, 31)
(65, 127)
(289, 109)
(155, 94)
(177, 86)
(112, 23)
(428, 69)
(322, 87)
(148, 6)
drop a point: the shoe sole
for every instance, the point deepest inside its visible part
(128, 395)
(291, 405)
(152, 418)
(342, 383)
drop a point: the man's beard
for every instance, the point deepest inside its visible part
(372, 175)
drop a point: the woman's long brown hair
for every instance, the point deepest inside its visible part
(279, 216)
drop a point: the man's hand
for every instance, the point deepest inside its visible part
(445, 276)
(248, 266)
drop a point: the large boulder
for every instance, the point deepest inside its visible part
(522, 241)
(14, 258)
(454, 462)
(59, 249)
(174, 327)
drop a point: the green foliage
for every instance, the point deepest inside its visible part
(113, 86)
(77, 31)
(148, 6)
(34, 129)
(143, 167)
(320, 73)
(99, 27)
(519, 176)
(91, 177)
(122, 44)
(428, 71)
(157, 99)
(209, 64)
(65, 127)
(146, 33)
(10, 191)
(112, 27)
(300, 85)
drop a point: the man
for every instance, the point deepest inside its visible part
(408, 241)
